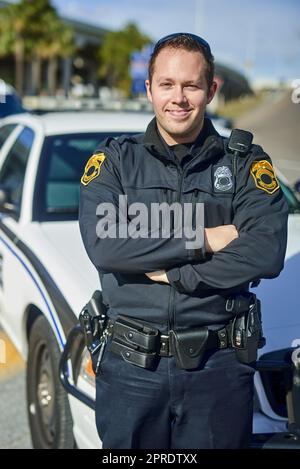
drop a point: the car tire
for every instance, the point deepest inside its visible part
(48, 407)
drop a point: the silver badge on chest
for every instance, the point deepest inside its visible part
(223, 179)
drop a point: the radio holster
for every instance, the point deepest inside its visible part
(246, 329)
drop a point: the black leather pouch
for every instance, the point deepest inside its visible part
(188, 346)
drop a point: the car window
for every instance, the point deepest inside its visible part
(293, 202)
(12, 173)
(62, 164)
(5, 132)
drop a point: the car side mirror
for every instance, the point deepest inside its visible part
(5, 201)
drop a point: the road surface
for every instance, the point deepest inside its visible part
(14, 430)
(276, 127)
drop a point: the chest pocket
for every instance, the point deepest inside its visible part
(144, 204)
(201, 188)
(148, 184)
(150, 192)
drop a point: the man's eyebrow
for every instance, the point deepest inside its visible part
(198, 81)
(162, 78)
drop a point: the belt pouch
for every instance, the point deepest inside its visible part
(188, 346)
(135, 333)
(133, 355)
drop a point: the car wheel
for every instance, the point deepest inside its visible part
(49, 412)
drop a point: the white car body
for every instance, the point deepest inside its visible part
(57, 245)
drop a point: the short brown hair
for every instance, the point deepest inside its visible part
(188, 42)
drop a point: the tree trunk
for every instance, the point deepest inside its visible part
(36, 74)
(52, 76)
(19, 64)
(67, 72)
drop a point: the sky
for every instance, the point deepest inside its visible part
(260, 38)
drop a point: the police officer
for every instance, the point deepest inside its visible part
(170, 376)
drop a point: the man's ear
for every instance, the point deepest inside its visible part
(212, 92)
(148, 88)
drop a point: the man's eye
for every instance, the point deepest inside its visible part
(191, 87)
(166, 85)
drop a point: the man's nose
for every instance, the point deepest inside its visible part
(179, 95)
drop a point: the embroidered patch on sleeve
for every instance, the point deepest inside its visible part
(264, 176)
(92, 168)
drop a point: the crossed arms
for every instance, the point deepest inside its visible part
(252, 247)
(215, 240)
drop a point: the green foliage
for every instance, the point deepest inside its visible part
(31, 29)
(37, 24)
(115, 53)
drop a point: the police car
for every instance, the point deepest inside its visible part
(10, 102)
(46, 276)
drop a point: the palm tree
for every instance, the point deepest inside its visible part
(115, 54)
(32, 29)
(56, 42)
(60, 43)
(53, 40)
(13, 27)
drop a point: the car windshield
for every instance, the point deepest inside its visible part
(294, 203)
(62, 164)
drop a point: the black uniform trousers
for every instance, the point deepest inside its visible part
(170, 408)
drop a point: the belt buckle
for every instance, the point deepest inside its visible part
(164, 346)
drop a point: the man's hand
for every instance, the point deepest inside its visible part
(158, 276)
(215, 240)
(218, 238)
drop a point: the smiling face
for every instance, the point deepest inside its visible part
(179, 94)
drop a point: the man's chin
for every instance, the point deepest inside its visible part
(180, 131)
(178, 127)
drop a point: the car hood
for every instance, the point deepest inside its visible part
(66, 239)
(280, 298)
(68, 262)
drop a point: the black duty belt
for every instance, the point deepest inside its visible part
(141, 344)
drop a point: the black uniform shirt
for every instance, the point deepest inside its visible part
(144, 170)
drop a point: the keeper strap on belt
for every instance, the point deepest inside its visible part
(240, 303)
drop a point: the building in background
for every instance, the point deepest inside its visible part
(77, 75)
(75, 72)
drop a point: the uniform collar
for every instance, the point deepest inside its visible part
(208, 143)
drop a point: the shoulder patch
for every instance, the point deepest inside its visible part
(264, 176)
(92, 168)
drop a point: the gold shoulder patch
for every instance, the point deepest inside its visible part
(92, 168)
(264, 176)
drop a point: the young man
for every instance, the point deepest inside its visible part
(170, 377)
